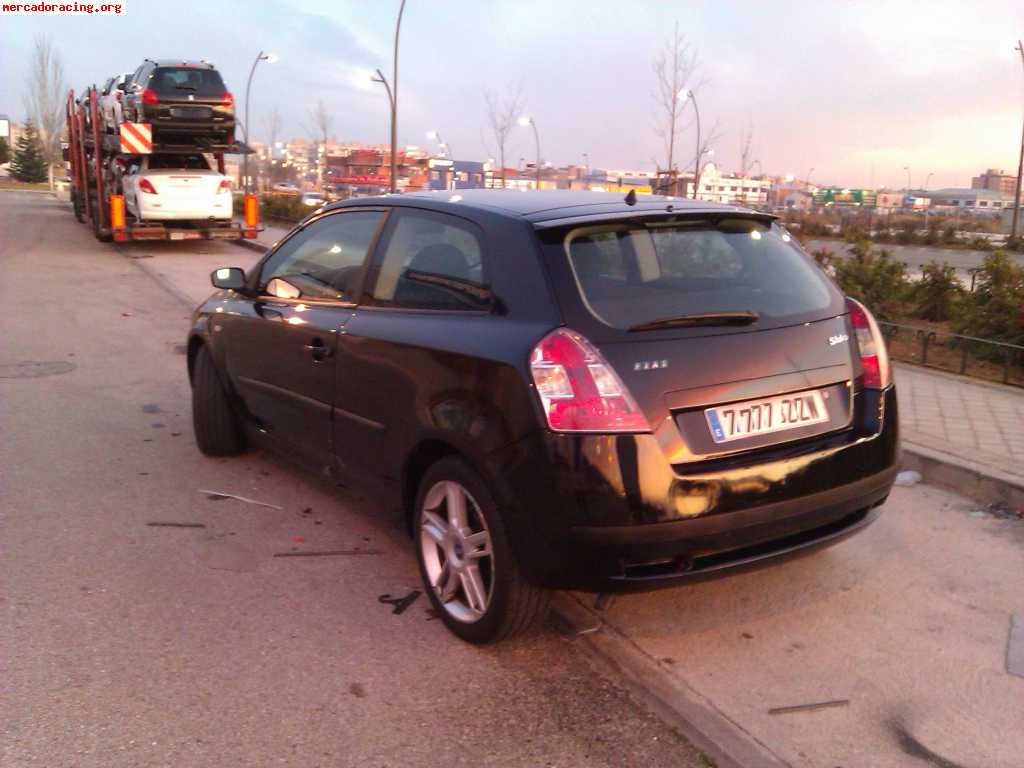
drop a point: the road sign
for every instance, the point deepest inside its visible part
(136, 138)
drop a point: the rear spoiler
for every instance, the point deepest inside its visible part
(661, 212)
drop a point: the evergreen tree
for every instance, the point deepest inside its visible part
(28, 163)
(5, 151)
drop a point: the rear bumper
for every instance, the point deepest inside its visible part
(607, 512)
(185, 212)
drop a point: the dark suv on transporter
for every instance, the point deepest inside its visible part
(562, 389)
(183, 101)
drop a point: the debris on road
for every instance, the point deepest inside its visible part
(1015, 646)
(176, 525)
(151, 408)
(908, 478)
(220, 495)
(400, 603)
(809, 707)
(330, 553)
(357, 690)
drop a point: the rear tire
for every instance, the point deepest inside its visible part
(467, 564)
(216, 426)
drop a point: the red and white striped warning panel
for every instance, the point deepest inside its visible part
(136, 138)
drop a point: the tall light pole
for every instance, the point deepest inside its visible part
(688, 95)
(926, 180)
(1020, 166)
(527, 120)
(392, 90)
(270, 58)
(907, 169)
(807, 178)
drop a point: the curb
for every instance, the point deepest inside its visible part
(964, 476)
(669, 697)
(252, 245)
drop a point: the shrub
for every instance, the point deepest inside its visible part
(875, 279)
(825, 258)
(937, 293)
(996, 308)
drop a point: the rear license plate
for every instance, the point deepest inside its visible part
(191, 113)
(761, 417)
(184, 235)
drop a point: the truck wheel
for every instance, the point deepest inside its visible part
(215, 424)
(466, 560)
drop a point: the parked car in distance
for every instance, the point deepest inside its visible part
(110, 101)
(176, 187)
(560, 389)
(183, 101)
(313, 199)
(284, 186)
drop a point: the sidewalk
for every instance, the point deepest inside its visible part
(962, 432)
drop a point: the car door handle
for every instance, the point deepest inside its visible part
(318, 349)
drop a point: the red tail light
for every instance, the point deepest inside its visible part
(149, 97)
(874, 358)
(147, 186)
(224, 186)
(227, 100)
(579, 390)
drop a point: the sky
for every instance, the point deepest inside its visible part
(855, 90)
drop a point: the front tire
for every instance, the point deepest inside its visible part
(214, 422)
(466, 560)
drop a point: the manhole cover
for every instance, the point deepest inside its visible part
(32, 369)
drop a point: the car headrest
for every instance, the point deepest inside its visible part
(441, 260)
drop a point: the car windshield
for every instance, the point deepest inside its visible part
(178, 81)
(631, 276)
(178, 162)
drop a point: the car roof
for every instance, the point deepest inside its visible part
(182, 63)
(549, 207)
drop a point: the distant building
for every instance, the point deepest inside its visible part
(718, 187)
(970, 200)
(995, 181)
(797, 200)
(455, 174)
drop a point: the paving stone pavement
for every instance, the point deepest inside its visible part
(974, 420)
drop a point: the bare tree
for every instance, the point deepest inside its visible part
(502, 114)
(675, 69)
(319, 127)
(44, 102)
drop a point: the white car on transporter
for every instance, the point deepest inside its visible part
(177, 188)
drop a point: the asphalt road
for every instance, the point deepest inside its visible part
(128, 644)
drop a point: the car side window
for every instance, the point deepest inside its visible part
(324, 260)
(432, 261)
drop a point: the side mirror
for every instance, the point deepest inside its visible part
(232, 278)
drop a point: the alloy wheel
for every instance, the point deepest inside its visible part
(457, 553)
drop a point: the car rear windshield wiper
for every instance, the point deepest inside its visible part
(702, 319)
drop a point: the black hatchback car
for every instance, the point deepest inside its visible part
(561, 389)
(183, 101)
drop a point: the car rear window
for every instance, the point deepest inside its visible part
(178, 81)
(179, 162)
(629, 275)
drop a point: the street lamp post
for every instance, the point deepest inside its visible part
(807, 179)
(684, 95)
(270, 58)
(527, 120)
(392, 91)
(907, 169)
(1020, 168)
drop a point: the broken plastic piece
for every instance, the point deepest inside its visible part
(218, 495)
